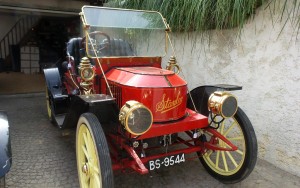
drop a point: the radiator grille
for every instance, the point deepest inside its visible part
(116, 91)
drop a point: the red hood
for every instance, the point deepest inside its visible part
(145, 77)
(162, 91)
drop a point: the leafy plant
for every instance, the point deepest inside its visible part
(202, 15)
(196, 15)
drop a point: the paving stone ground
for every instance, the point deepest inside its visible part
(43, 158)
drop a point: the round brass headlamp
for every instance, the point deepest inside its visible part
(135, 117)
(223, 103)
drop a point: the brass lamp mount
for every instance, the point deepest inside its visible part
(173, 66)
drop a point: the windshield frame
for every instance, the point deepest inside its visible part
(86, 28)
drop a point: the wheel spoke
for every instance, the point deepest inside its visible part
(209, 133)
(229, 129)
(85, 152)
(85, 138)
(236, 138)
(225, 145)
(90, 147)
(89, 138)
(96, 170)
(224, 161)
(240, 152)
(96, 181)
(221, 143)
(217, 159)
(86, 143)
(87, 179)
(209, 153)
(222, 128)
(90, 143)
(231, 158)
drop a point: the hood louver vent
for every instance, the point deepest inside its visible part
(116, 91)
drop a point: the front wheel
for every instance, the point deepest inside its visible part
(92, 152)
(232, 166)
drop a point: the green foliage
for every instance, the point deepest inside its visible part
(196, 15)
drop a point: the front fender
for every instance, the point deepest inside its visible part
(201, 94)
(53, 81)
(55, 87)
(103, 106)
(5, 147)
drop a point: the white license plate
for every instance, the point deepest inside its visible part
(166, 161)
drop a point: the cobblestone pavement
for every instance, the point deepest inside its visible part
(42, 157)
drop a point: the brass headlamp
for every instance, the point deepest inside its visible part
(87, 74)
(86, 70)
(135, 117)
(223, 104)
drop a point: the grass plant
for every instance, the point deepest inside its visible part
(203, 15)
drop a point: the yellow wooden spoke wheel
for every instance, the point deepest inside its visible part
(232, 166)
(49, 104)
(93, 159)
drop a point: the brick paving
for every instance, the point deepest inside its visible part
(43, 158)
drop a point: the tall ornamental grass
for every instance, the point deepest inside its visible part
(196, 15)
(202, 15)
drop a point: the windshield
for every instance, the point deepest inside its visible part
(121, 32)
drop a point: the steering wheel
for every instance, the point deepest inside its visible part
(93, 34)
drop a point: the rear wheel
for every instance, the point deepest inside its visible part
(232, 166)
(2, 182)
(50, 109)
(92, 152)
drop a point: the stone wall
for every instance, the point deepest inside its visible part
(267, 65)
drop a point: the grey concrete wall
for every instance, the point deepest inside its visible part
(267, 65)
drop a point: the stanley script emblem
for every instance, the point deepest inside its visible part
(167, 104)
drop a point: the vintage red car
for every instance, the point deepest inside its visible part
(131, 113)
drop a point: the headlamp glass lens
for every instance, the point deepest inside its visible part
(139, 120)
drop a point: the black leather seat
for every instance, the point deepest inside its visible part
(74, 49)
(117, 47)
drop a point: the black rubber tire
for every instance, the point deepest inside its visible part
(2, 182)
(97, 133)
(251, 152)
